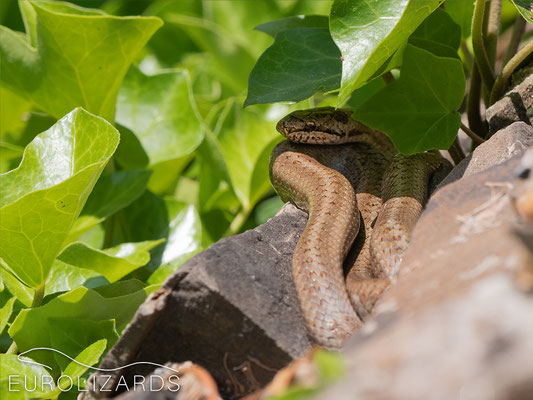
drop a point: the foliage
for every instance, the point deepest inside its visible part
(125, 147)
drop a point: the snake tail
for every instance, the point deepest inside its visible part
(329, 234)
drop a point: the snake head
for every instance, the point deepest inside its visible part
(325, 125)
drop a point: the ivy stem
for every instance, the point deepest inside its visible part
(493, 29)
(468, 59)
(472, 135)
(508, 69)
(519, 28)
(456, 152)
(472, 103)
(38, 297)
(480, 53)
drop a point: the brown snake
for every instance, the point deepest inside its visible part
(334, 167)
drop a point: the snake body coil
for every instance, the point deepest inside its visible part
(333, 167)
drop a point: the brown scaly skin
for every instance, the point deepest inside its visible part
(333, 167)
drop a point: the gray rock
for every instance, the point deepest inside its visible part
(231, 309)
(512, 107)
(502, 146)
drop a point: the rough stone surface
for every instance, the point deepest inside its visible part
(231, 309)
(502, 146)
(512, 107)
(455, 325)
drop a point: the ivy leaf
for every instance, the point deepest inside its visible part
(59, 66)
(117, 301)
(40, 199)
(300, 62)
(5, 313)
(72, 336)
(461, 11)
(298, 21)
(370, 33)
(21, 370)
(151, 218)
(161, 112)
(246, 142)
(89, 356)
(113, 263)
(525, 8)
(438, 34)
(111, 193)
(64, 277)
(418, 111)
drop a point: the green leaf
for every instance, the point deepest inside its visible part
(71, 67)
(246, 143)
(300, 62)
(418, 111)
(116, 301)
(72, 336)
(152, 217)
(89, 356)
(370, 33)
(64, 277)
(525, 7)
(40, 200)
(115, 191)
(161, 112)
(299, 21)
(113, 263)
(12, 107)
(165, 270)
(461, 12)
(438, 34)
(5, 313)
(19, 371)
(23, 293)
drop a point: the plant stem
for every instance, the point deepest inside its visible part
(456, 152)
(472, 103)
(493, 29)
(508, 69)
(471, 134)
(480, 54)
(468, 59)
(519, 28)
(38, 297)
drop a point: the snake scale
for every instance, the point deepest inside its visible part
(352, 183)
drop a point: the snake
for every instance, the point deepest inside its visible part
(363, 199)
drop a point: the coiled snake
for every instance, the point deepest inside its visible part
(334, 167)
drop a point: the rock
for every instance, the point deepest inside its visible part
(231, 309)
(455, 325)
(502, 146)
(512, 107)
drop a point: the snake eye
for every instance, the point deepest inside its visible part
(310, 125)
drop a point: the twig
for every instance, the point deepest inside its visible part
(471, 134)
(480, 54)
(508, 69)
